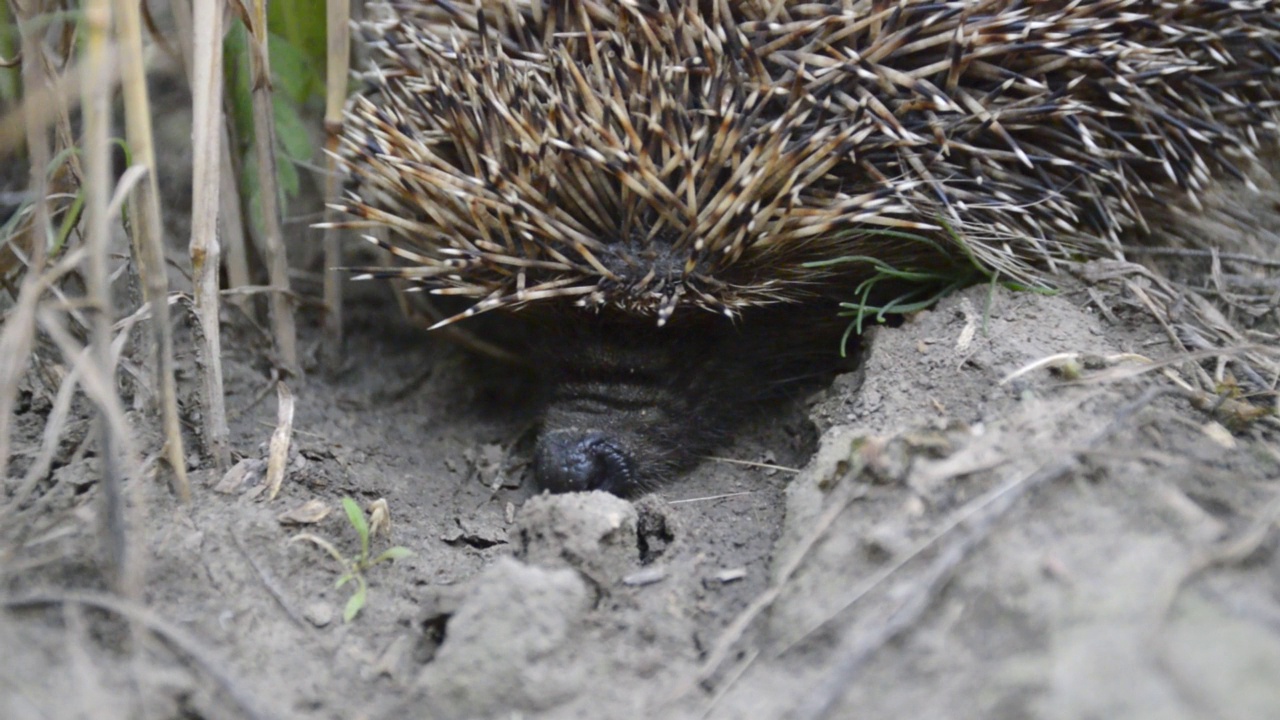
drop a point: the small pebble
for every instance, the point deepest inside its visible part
(319, 614)
(731, 575)
(647, 576)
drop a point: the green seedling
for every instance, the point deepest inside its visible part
(919, 288)
(354, 568)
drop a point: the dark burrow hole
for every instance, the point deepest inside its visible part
(433, 629)
(654, 529)
(510, 396)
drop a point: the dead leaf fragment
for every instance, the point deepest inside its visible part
(308, 513)
(1219, 434)
(379, 518)
(278, 455)
(244, 474)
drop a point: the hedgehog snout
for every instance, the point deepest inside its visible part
(576, 460)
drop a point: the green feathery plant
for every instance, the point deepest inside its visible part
(926, 286)
(355, 567)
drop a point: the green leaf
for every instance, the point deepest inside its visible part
(395, 553)
(124, 148)
(355, 603)
(286, 180)
(69, 222)
(235, 49)
(293, 145)
(291, 70)
(358, 521)
(303, 24)
(295, 79)
(292, 132)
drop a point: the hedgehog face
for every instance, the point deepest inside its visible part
(630, 405)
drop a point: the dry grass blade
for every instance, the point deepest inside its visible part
(119, 460)
(269, 582)
(285, 332)
(55, 424)
(96, 64)
(231, 235)
(278, 454)
(45, 96)
(147, 230)
(15, 351)
(19, 331)
(40, 104)
(207, 133)
(339, 61)
(92, 698)
(172, 634)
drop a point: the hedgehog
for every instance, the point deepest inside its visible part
(680, 198)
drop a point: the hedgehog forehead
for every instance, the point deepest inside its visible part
(641, 252)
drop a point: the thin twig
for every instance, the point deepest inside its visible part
(96, 69)
(87, 680)
(730, 682)
(1204, 253)
(285, 332)
(120, 460)
(338, 62)
(147, 230)
(206, 138)
(19, 332)
(710, 497)
(268, 582)
(753, 463)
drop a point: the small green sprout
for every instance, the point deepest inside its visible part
(356, 567)
(919, 288)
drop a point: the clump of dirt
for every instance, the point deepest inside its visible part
(594, 533)
(510, 645)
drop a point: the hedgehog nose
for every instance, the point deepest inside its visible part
(576, 460)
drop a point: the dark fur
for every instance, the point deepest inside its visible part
(665, 396)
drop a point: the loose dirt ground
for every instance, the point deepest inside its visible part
(958, 547)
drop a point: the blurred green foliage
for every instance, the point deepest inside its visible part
(301, 25)
(296, 43)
